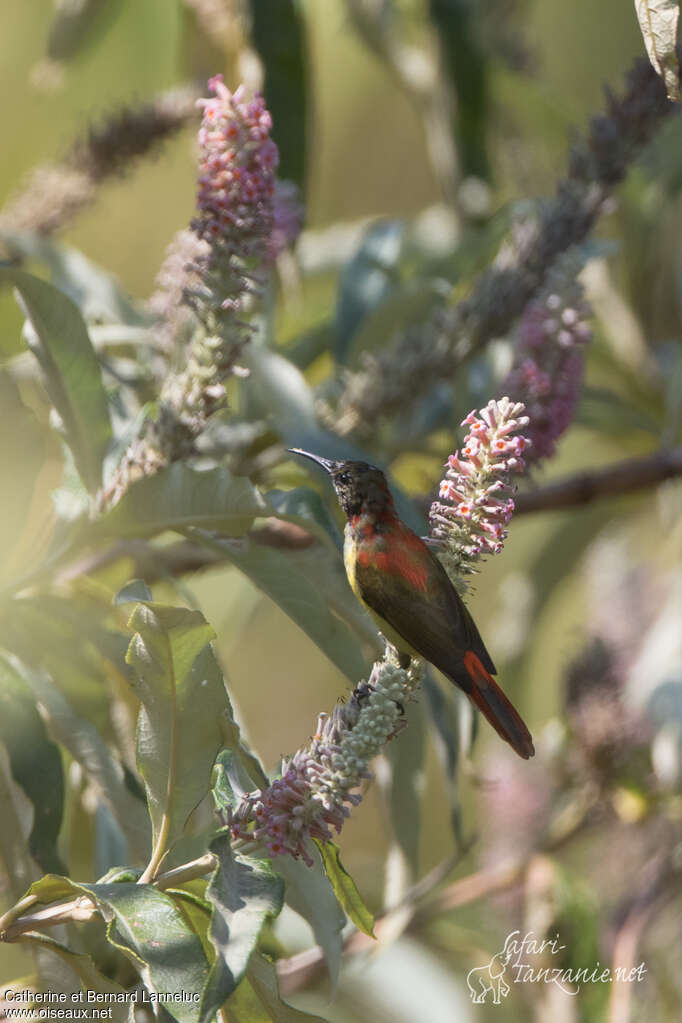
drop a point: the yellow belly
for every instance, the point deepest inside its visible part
(387, 631)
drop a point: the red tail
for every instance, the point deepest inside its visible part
(492, 702)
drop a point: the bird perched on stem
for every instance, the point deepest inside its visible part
(409, 595)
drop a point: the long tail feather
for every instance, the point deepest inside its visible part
(485, 693)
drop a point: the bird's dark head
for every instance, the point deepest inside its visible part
(361, 488)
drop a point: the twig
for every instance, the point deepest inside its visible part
(13, 925)
(392, 380)
(624, 477)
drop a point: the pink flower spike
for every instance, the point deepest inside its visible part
(472, 523)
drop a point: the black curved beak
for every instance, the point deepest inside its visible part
(326, 463)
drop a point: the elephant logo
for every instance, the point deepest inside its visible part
(482, 979)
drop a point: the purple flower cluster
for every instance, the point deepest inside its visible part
(547, 373)
(236, 173)
(477, 486)
(319, 783)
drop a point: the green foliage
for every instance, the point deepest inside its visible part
(182, 698)
(345, 888)
(59, 339)
(179, 497)
(243, 893)
(109, 762)
(278, 34)
(35, 763)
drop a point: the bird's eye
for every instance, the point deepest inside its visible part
(343, 478)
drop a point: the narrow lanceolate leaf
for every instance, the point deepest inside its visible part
(35, 763)
(658, 22)
(179, 497)
(278, 35)
(243, 893)
(262, 977)
(183, 697)
(59, 339)
(345, 887)
(312, 896)
(148, 927)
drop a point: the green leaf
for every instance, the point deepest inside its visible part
(310, 893)
(148, 927)
(276, 573)
(85, 745)
(278, 35)
(658, 22)
(60, 342)
(133, 592)
(305, 508)
(366, 280)
(51, 888)
(243, 893)
(236, 772)
(183, 697)
(178, 497)
(345, 887)
(97, 293)
(465, 64)
(262, 976)
(35, 763)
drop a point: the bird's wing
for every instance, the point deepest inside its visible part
(424, 607)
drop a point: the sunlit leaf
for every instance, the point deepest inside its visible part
(59, 339)
(178, 497)
(183, 697)
(658, 22)
(35, 763)
(243, 892)
(345, 888)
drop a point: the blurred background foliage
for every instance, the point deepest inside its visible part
(528, 75)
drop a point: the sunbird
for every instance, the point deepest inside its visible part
(409, 595)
